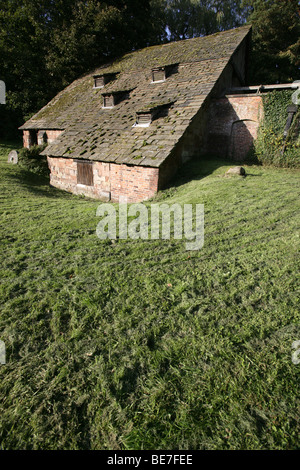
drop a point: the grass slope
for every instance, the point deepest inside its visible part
(141, 344)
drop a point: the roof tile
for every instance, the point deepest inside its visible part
(109, 134)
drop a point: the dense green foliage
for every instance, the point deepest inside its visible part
(270, 143)
(190, 18)
(141, 344)
(31, 160)
(275, 55)
(45, 45)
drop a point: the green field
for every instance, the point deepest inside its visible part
(140, 344)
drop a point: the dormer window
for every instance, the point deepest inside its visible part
(145, 116)
(101, 80)
(160, 74)
(108, 100)
(111, 99)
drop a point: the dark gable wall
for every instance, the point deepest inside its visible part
(233, 122)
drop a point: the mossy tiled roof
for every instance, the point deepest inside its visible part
(91, 132)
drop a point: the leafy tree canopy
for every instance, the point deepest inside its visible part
(190, 18)
(276, 40)
(45, 45)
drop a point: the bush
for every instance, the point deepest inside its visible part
(31, 160)
(270, 141)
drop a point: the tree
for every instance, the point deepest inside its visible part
(276, 41)
(22, 43)
(45, 45)
(97, 32)
(190, 18)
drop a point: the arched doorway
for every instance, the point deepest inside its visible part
(243, 134)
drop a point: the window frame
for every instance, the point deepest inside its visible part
(159, 70)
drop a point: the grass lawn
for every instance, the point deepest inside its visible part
(141, 344)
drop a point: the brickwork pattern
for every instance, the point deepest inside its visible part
(111, 181)
(52, 135)
(242, 137)
(233, 123)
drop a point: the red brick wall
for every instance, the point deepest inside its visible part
(110, 180)
(26, 139)
(52, 134)
(137, 183)
(233, 122)
(242, 136)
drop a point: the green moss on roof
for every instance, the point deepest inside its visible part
(188, 50)
(109, 134)
(154, 105)
(65, 98)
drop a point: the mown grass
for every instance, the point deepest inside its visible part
(142, 344)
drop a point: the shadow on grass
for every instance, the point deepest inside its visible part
(191, 170)
(39, 185)
(198, 169)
